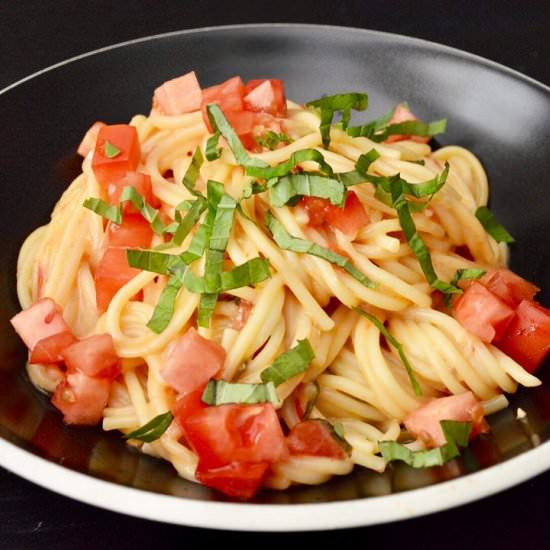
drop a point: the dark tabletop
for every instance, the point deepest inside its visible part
(35, 34)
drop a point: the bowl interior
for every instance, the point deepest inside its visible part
(502, 117)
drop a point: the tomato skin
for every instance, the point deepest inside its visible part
(238, 479)
(38, 321)
(133, 232)
(187, 405)
(401, 114)
(141, 183)
(509, 287)
(266, 95)
(527, 339)
(81, 398)
(90, 137)
(228, 95)
(236, 433)
(125, 138)
(93, 356)
(424, 422)
(192, 361)
(49, 350)
(482, 313)
(179, 95)
(111, 274)
(313, 438)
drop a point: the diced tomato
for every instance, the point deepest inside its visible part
(482, 313)
(140, 182)
(81, 398)
(111, 274)
(238, 479)
(243, 313)
(93, 356)
(248, 125)
(191, 362)
(179, 95)
(236, 433)
(90, 137)
(49, 350)
(401, 114)
(424, 422)
(267, 96)
(39, 321)
(133, 232)
(187, 405)
(527, 339)
(111, 166)
(314, 438)
(228, 95)
(509, 287)
(348, 219)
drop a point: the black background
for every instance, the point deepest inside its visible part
(35, 34)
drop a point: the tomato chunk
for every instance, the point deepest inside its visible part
(116, 152)
(424, 422)
(93, 356)
(81, 398)
(188, 404)
(90, 137)
(39, 321)
(133, 232)
(228, 95)
(236, 433)
(111, 274)
(509, 287)
(266, 95)
(49, 350)
(179, 95)
(140, 182)
(314, 438)
(482, 313)
(527, 339)
(238, 479)
(401, 114)
(191, 362)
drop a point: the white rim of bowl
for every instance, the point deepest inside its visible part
(275, 517)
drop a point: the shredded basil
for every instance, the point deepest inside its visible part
(111, 151)
(193, 172)
(463, 275)
(312, 401)
(287, 189)
(290, 363)
(220, 392)
(153, 429)
(396, 344)
(189, 220)
(381, 132)
(156, 262)
(109, 211)
(152, 215)
(270, 139)
(456, 434)
(492, 226)
(164, 310)
(213, 152)
(303, 155)
(288, 242)
(337, 432)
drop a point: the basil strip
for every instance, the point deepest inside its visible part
(109, 211)
(213, 152)
(157, 262)
(396, 344)
(289, 364)
(456, 434)
(270, 139)
(253, 189)
(188, 222)
(252, 272)
(285, 189)
(164, 310)
(303, 155)
(337, 432)
(193, 172)
(220, 392)
(288, 242)
(378, 133)
(344, 103)
(491, 225)
(111, 151)
(463, 275)
(153, 429)
(312, 401)
(152, 215)
(221, 125)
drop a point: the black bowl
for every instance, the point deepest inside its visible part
(499, 114)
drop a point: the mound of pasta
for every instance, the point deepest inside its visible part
(263, 294)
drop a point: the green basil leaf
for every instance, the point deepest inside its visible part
(286, 189)
(337, 432)
(220, 392)
(492, 226)
(411, 128)
(220, 124)
(456, 433)
(344, 103)
(149, 260)
(290, 363)
(152, 215)
(462, 275)
(312, 401)
(109, 211)
(270, 139)
(396, 344)
(153, 429)
(111, 151)
(253, 189)
(213, 152)
(189, 220)
(193, 173)
(164, 310)
(252, 272)
(288, 242)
